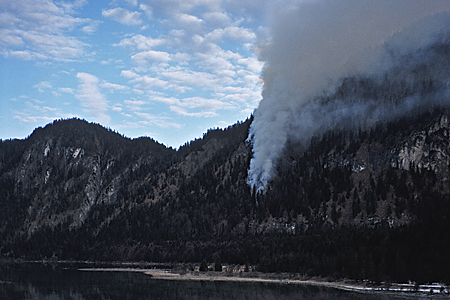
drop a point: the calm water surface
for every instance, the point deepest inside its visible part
(64, 281)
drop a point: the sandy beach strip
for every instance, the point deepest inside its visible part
(213, 276)
(257, 277)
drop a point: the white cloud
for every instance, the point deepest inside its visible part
(43, 85)
(178, 32)
(148, 57)
(143, 83)
(117, 107)
(134, 105)
(166, 100)
(193, 106)
(232, 33)
(113, 86)
(71, 7)
(162, 122)
(184, 67)
(147, 9)
(141, 42)
(187, 77)
(203, 103)
(202, 114)
(219, 62)
(66, 90)
(35, 111)
(128, 74)
(181, 58)
(255, 9)
(25, 55)
(189, 20)
(252, 63)
(39, 30)
(217, 19)
(40, 108)
(123, 16)
(132, 2)
(32, 118)
(8, 38)
(106, 62)
(91, 98)
(247, 111)
(89, 29)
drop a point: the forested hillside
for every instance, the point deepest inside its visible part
(364, 204)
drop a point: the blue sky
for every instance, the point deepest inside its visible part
(166, 69)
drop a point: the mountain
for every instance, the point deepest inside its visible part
(371, 203)
(73, 184)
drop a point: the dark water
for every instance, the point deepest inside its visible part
(62, 281)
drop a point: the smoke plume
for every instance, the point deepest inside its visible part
(317, 55)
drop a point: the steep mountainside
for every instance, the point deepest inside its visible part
(370, 203)
(61, 171)
(73, 178)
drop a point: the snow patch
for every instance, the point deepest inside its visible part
(46, 150)
(76, 152)
(47, 175)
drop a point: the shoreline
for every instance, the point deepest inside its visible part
(409, 289)
(161, 271)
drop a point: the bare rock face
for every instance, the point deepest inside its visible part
(427, 149)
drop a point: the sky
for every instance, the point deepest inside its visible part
(168, 69)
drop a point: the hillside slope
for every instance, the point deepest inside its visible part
(360, 204)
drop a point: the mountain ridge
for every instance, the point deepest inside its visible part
(91, 193)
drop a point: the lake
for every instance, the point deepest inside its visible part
(66, 281)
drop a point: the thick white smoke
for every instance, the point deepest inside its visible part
(313, 45)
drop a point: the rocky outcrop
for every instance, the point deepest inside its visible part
(427, 149)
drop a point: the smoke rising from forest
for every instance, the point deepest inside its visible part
(314, 51)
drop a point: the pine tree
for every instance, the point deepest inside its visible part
(203, 266)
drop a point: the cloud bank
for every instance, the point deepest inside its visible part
(311, 47)
(42, 30)
(189, 63)
(91, 97)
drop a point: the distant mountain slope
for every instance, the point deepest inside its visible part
(360, 204)
(72, 177)
(367, 177)
(62, 170)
